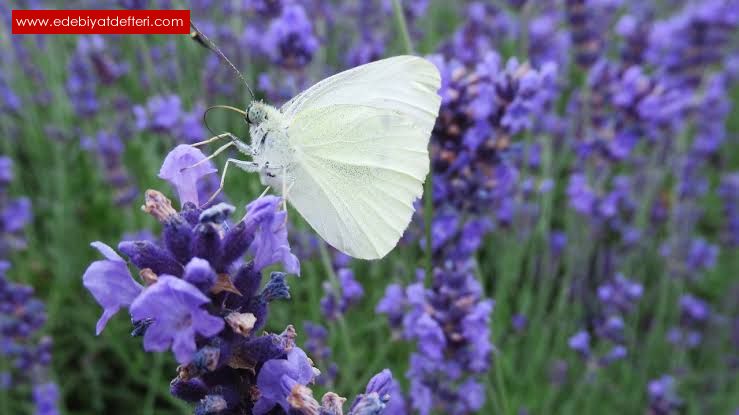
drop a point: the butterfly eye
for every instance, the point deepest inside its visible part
(246, 116)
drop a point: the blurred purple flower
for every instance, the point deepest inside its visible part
(26, 357)
(289, 41)
(729, 193)
(46, 398)
(580, 342)
(662, 395)
(337, 300)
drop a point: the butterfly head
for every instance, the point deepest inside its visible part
(256, 113)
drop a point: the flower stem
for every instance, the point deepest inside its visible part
(402, 26)
(428, 206)
(343, 327)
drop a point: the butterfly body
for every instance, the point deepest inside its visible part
(271, 148)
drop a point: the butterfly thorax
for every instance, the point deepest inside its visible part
(269, 139)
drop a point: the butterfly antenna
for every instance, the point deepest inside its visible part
(203, 40)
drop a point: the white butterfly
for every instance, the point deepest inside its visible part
(350, 153)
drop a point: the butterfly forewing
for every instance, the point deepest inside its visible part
(360, 141)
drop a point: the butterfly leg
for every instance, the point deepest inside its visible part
(241, 146)
(216, 138)
(264, 192)
(249, 166)
(284, 190)
(215, 153)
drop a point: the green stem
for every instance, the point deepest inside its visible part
(343, 327)
(402, 27)
(153, 384)
(428, 206)
(501, 382)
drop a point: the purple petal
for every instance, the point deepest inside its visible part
(175, 307)
(185, 182)
(110, 283)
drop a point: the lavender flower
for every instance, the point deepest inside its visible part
(109, 148)
(289, 40)
(695, 316)
(15, 213)
(450, 323)
(582, 16)
(663, 398)
(729, 192)
(93, 63)
(338, 299)
(46, 398)
(270, 244)
(205, 303)
(278, 379)
(164, 114)
(316, 345)
(174, 305)
(110, 282)
(9, 101)
(23, 351)
(178, 170)
(484, 22)
(482, 108)
(617, 298)
(580, 342)
(684, 44)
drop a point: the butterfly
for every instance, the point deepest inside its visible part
(350, 153)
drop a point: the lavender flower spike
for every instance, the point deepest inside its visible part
(110, 282)
(184, 181)
(175, 307)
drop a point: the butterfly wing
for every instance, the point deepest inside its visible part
(360, 161)
(408, 84)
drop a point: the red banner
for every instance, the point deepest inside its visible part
(108, 22)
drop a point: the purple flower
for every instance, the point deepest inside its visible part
(663, 397)
(694, 309)
(316, 345)
(175, 307)
(110, 282)
(6, 170)
(174, 310)
(580, 342)
(519, 322)
(161, 114)
(16, 215)
(270, 244)
(582, 198)
(729, 193)
(620, 294)
(289, 40)
(185, 181)
(431, 340)
(450, 323)
(22, 351)
(46, 398)
(109, 148)
(350, 291)
(392, 304)
(351, 288)
(278, 377)
(701, 255)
